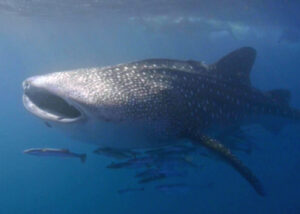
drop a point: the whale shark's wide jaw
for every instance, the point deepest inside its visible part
(49, 106)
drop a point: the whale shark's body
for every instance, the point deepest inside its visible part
(159, 102)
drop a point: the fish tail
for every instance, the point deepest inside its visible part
(83, 158)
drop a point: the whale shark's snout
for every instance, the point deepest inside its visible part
(47, 102)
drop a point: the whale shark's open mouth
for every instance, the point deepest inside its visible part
(49, 106)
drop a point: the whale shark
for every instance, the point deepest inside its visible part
(156, 102)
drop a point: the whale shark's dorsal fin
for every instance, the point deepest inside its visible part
(236, 66)
(232, 160)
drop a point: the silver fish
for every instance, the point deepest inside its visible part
(134, 163)
(51, 152)
(165, 172)
(152, 178)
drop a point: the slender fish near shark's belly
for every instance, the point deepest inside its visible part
(50, 152)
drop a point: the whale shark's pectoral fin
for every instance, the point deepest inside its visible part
(227, 155)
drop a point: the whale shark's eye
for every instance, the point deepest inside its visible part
(51, 103)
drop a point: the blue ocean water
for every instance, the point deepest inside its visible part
(38, 37)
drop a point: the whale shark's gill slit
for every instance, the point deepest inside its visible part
(52, 103)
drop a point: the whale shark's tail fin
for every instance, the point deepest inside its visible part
(232, 160)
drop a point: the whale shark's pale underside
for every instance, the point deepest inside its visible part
(159, 102)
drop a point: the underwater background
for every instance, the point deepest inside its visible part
(38, 37)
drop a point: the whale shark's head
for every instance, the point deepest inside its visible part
(98, 102)
(108, 94)
(49, 99)
(69, 97)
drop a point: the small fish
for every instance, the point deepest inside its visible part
(152, 178)
(128, 190)
(52, 152)
(48, 125)
(173, 173)
(132, 152)
(173, 188)
(147, 173)
(165, 172)
(114, 153)
(133, 163)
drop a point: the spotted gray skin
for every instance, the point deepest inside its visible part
(159, 102)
